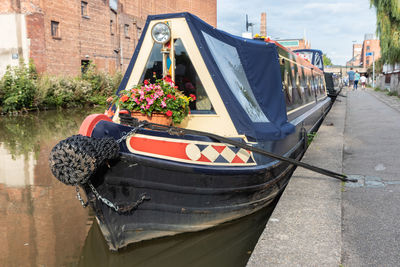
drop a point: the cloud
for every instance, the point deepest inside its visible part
(330, 25)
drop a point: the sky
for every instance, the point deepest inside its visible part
(330, 25)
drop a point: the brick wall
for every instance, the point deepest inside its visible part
(372, 45)
(89, 37)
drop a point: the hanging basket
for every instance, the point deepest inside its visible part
(159, 118)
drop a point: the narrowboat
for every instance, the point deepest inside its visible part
(332, 80)
(249, 91)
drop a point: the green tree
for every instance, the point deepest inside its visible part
(327, 60)
(388, 28)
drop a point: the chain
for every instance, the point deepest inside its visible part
(104, 200)
(119, 209)
(134, 130)
(115, 207)
(79, 197)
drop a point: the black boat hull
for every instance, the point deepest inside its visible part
(186, 197)
(181, 201)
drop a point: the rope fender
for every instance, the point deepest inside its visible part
(75, 159)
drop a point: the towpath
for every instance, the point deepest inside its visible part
(323, 222)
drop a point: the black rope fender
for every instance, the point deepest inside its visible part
(75, 159)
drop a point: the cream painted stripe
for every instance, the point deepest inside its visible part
(307, 113)
(306, 105)
(297, 109)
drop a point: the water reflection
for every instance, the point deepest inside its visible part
(229, 244)
(42, 223)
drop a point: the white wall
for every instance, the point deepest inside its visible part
(16, 171)
(12, 36)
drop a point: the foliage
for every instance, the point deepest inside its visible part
(159, 97)
(18, 87)
(388, 29)
(310, 137)
(327, 60)
(22, 88)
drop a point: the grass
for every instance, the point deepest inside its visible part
(310, 137)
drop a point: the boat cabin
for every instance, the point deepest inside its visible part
(243, 87)
(314, 56)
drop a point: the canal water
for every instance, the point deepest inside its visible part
(43, 224)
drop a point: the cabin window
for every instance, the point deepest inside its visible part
(228, 62)
(188, 81)
(154, 64)
(288, 88)
(318, 61)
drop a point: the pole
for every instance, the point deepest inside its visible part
(373, 69)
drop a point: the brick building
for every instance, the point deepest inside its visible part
(62, 35)
(294, 44)
(356, 58)
(370, 45)
(362, 52)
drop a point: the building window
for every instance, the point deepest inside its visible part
(112, 27)
(367, 62)
(368, 47)
(84, 9)
(84, 65)
(126, 31)
(55, 29)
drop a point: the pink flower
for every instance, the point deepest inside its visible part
(163, 104)
(149, 101)
(110, 99)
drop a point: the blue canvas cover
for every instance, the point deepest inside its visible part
(246, 73)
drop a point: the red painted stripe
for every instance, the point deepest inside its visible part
(159, 147)
(219, 148)
(203, 159)
(236, 159)
(90, 122)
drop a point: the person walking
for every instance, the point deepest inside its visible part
(363, 80)
(351, 77)
(356, 79)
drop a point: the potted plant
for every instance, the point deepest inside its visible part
(154, 101)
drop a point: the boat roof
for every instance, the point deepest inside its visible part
(246, 74)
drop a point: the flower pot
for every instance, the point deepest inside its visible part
(158, 118)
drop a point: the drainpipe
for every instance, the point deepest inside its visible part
(18, 25)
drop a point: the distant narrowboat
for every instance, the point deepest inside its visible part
(249, 91)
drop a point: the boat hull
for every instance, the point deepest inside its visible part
(189, 197)
(180, 200)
